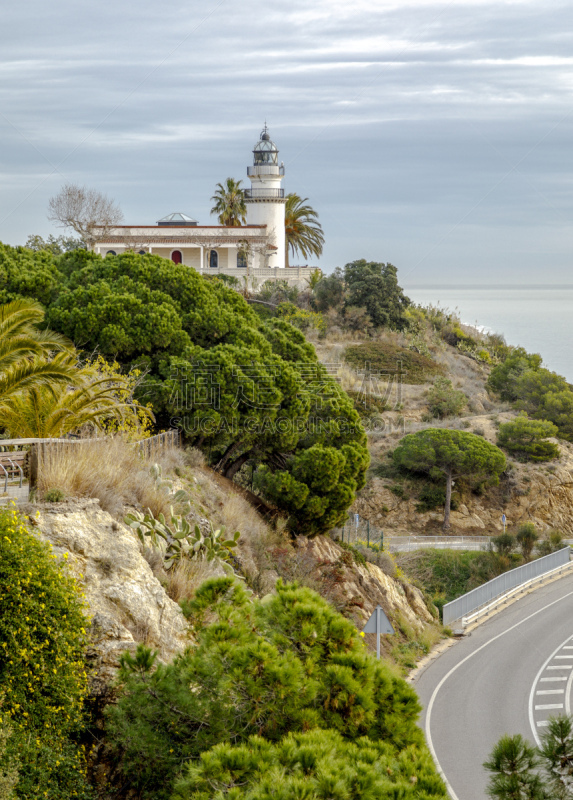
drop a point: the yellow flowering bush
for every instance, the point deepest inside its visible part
(139, 423)
(43, 680)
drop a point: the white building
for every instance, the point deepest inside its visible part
(255, 250)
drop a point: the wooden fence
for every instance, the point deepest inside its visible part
(36, 449)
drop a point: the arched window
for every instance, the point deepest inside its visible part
(111, 253)
(177, 257)
(241, 259)
(213, 259)
(142, 252)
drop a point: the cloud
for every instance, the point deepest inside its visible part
(431, 134)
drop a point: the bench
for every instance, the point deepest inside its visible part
(12, 465)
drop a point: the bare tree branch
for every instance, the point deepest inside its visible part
(88, 212)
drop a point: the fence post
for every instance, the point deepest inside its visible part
(33, 466)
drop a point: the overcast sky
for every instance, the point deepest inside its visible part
(433, 135)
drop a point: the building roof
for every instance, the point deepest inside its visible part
(177, 219)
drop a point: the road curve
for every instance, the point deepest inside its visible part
(489, 684)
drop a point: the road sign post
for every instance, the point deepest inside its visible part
(378, 623)
(504, 520)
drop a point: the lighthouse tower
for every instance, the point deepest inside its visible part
(266, 198)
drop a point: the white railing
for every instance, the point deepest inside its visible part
(498, 587)
(405, 544)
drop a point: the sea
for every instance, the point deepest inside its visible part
(538, 318)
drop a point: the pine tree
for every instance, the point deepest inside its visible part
(513, 764)
(289, 663)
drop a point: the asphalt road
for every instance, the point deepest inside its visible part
(508, 676)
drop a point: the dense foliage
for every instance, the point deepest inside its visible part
(317, 765)
(241, 388)
(43, 681)
(450, 454)
(542, 394)
(374, 286)
(527, 438)
(285, 664)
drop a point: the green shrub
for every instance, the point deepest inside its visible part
(388, 358)
(54, 496)
(302, 319)
(9, 762)
(43, 681)
(358, 557)
(399, 491)
(317, 765)
(431, 497)
(551, 542)
(526, 438)
(285, 664)
(444, 400)
(526, 537)
(504, 544)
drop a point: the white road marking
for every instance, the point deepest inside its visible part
(545, 666)
(549, 707)
(543, 723)
(550, 691)
(568, 647)
(431, 748)
(568, 656)
(546, 680)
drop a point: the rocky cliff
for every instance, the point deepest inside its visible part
(125, 601)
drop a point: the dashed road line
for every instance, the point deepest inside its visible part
(536, 692)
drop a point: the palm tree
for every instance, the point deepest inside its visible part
(51, 412)
(29, 357)
(303, 233)
(229, 202)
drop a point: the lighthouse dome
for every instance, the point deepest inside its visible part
(265, 151)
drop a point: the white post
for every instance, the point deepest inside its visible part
(378, 632)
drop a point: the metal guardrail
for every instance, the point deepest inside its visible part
(406, 544)
(482, 595)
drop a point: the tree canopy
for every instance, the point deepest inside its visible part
(374, 286)
(528, 438)
(450, 454)
(360, 770)
(267, 668)
(542, 394)
(243, 389)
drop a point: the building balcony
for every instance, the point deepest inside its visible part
(264, 194)
(265, 169)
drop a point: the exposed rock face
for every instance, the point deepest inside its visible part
(541, 493)
(366, 586)
(126, 603)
